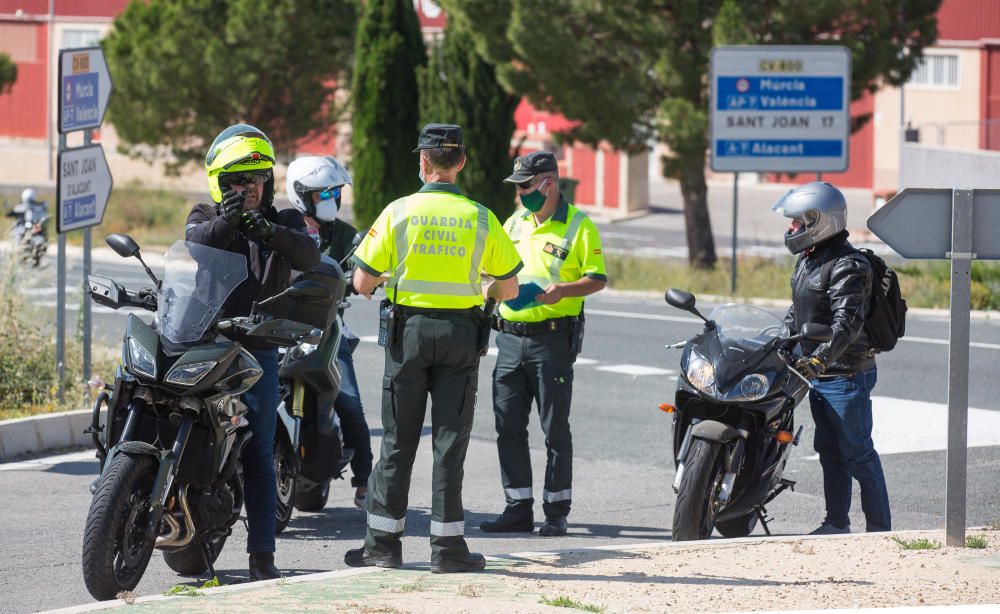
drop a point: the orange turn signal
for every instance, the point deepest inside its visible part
(667, 408)
(784, 437)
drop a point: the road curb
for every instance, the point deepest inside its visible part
(44, 432)
(690, 545)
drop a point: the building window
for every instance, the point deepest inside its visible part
(72, 39)
(936, 71)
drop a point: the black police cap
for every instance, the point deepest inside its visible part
(437, 136)
(532, 164)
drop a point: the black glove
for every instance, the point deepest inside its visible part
(256, 226)
(231, 207)
(810, 367)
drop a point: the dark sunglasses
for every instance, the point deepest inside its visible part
(243, 178)
(527, 185)
(329, 193)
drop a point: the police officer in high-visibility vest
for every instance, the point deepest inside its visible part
(433, 245)
(541, 333)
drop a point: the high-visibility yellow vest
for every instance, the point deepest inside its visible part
(435, 244)
(564, 248)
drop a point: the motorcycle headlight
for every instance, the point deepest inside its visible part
(755, 386)
(701, 374)
(189, 374)
(302, 350)
(141, 361)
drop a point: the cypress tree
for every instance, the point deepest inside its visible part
(460, 87)
(388, 51)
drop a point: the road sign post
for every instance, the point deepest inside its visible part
(779, 109)
(960, 225)
(83, 178)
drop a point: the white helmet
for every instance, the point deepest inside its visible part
(322, 174)
(29, 195)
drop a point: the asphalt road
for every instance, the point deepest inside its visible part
(623, 467)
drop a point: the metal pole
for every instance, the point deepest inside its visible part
(958, 366)
(736, 202)
(87, 139)
(61, 299)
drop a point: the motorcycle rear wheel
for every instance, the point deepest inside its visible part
(698, 495)
(312, 500)
(189, 561)
(116, 549)
(741, 526)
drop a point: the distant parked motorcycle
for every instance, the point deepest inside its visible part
(733, 418)
(30, 232)
(170, 453)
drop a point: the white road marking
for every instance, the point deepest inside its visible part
(902, 426)
(370, 339)
(49, 461)
(585, 361)
(975, 344)
(636, 370)
(640, 316)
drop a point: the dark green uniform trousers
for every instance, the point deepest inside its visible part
(437, 354)
(535, 368)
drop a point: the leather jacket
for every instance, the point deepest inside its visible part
(841, 304)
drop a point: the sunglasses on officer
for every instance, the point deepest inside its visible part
(329, 193)
(244, 178)
(527, 186)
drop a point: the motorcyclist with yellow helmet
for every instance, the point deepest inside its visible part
(243, 220)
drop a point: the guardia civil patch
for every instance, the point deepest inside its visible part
(555, 250)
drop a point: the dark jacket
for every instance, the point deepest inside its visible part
(270, 266)
(335, 240)
(841, 304)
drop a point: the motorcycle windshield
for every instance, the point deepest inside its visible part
(197, 280)
(747, 325)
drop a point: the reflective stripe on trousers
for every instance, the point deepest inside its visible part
(387, 525)
(559, 495)
(448, 529)
(518, 494)
(472, 288)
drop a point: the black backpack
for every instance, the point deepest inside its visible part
(885, 321)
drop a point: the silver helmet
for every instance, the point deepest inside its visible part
(821, 208)
(321, 174)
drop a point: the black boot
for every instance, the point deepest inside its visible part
(262, 567)
(361, 557)
(554, 526)
(514, 519)
(470, 561)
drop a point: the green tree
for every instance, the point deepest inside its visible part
(389, 51)
(8, 73)
(634, 69)
(186, 69)
(460, 87)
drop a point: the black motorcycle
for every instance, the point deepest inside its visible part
(309, 448)
(169, 455)
(733, 418)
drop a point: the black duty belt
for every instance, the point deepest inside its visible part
(526, 329)
(407, 312)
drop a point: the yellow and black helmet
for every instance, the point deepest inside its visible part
(238, 149)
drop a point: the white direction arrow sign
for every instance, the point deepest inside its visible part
(84, 185)
(84, 88)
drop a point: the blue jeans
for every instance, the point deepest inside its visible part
(842, 410)
(352, 417)
(259, 483)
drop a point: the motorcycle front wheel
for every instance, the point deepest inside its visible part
(698, 496)
(286, 475)
(116, 548)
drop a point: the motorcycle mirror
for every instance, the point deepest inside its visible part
(820, 333)
(680, 299)
(358, 238)
(309, 291)
(124, 245)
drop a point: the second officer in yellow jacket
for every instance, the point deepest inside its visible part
(540, 335)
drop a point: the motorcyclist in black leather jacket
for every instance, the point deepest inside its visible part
(832, 285)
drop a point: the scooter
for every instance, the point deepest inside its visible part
(733, 419)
